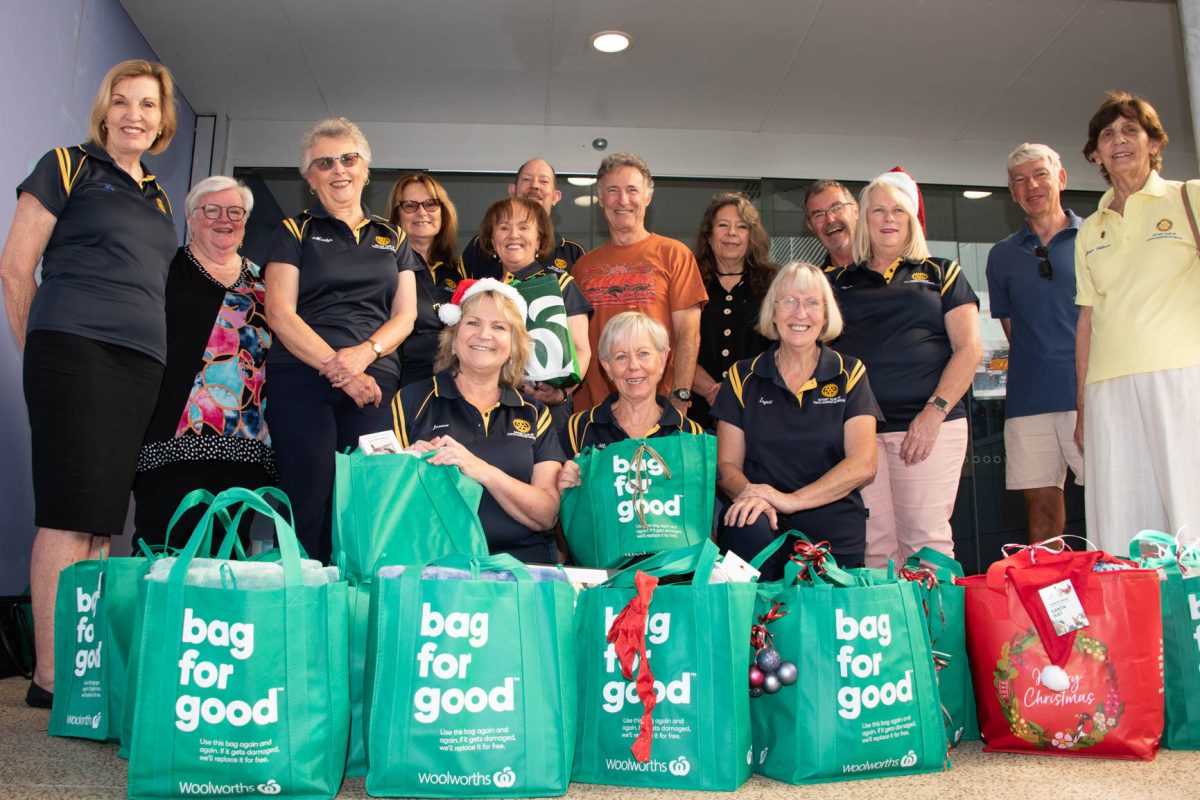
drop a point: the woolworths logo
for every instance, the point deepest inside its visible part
(679, 767)
(501, 779)
(909, 759)
(211, 789)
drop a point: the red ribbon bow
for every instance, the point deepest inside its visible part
(628, 636)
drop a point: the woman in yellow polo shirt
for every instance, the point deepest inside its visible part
(1137, 345)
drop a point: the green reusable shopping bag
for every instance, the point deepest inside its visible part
(697, 734)
(866, 704)
(1180, 592)
(360, 615)
(95, 613)
(553, 359)
(640, 496)
(943, 603)
(240, 691)
(470, 682)
(398, 509)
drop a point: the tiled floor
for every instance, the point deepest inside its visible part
(34, 766)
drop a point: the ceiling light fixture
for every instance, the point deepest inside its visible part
(975, 194)
(611, 41)
(581, 181)
(586, 201)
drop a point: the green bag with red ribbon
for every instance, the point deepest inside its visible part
(861, 699)
(662, 676)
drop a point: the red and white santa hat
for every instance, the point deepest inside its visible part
(450, 313)
(897, 178)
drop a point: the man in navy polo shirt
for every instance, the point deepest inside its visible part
(1031, 280)
(832, 216)
(537, 181)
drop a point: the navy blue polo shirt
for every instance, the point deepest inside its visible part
(597, 427)
(1043, 314)
(479, 264)
(435, 286)
(104, 270)
(896, 324)
(347, 277)
(514, 436)
(792, 439)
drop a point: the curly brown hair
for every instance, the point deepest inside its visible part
(760, 270)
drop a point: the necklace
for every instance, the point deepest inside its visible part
(730, 274)
(187, 249)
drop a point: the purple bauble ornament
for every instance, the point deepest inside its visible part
(756, 676)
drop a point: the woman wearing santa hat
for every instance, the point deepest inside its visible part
(473, 414)
(914, 321)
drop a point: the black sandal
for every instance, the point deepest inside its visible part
(37, 697)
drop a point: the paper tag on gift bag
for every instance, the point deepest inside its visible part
(1063, 607)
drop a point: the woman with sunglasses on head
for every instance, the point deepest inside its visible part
(93, 330)
(208, 429)
(341, 298)
(914, 321)
(421, 208)
(796, 429)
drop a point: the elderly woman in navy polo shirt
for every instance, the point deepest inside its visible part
(474, 415)
(796, 429)
(633, 353)
(914, 321)
(93, 331)
(340, 299)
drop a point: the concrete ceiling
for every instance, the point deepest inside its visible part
(955, 71)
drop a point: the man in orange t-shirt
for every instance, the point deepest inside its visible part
(639, 271)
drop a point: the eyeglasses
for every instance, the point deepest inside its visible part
(1045, 268)
(213, 211)
(819, 216)
(411, 206)
(789, 304)
(325, 163)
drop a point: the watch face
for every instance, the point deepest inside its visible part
(682, 394)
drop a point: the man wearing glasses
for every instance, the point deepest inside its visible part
(537, 181)
(1031, 283)
(832, 216)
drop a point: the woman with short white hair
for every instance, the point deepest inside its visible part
(914, 321)
(208, 430)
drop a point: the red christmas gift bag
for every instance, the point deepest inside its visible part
(1066, 654)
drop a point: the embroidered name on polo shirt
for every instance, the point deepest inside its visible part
(316, 238)
(764, 402)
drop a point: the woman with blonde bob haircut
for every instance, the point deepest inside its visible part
(796, 429)
(914, 321)
(472, 414)
(94, 330)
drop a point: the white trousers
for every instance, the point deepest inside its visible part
(1141, 455)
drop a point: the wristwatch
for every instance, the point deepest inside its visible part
(683, 395)
(939, 403)
(377, 347)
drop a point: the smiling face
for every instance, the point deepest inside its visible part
(1124, 149)
(222, 233)
(625, 198)
(889, 225)
(730, 237)
(832, 217)
(483, 341)
(340, 186)
(536, 181)
(422, 224)
(1037, 187)
(635, 367)
(799, 318)
(134, 116)
(516, 241)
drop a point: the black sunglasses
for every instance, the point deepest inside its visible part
(1045, 268)
(325, 163)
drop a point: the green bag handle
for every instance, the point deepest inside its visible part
(193, 499)
(834, 575)
(499, 562)
(439, 483)
(946, 567)
(234, 544)
(697, 559)
(1169, 551)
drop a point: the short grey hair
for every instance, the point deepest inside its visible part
(630, 325)
(1028, 152)
(217, 183)
(333, 128)
(800, 276)
(625, 159)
